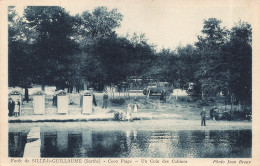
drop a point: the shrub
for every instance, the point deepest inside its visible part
(118, 115)
(245, 114)
(203, 103)
(118, 101)
(237, 115)
(226, 116)
(182, 98)
(136, 99)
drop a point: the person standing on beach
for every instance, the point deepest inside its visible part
(94, 101)
(11, 106)
(17, 108)
(129, 113)
(54, 100)
(203, 117)
(105, 100)
(135, 110)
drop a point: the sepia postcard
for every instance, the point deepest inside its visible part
(129, 82)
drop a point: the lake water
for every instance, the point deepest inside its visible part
(138, 143)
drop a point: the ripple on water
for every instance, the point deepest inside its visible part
(137, 143)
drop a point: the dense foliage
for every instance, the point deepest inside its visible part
(48, 46)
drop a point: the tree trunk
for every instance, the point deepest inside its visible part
(111, 93)
(231, 104)
(232, 101)
(202, 93)
(43, 87)
(128, 91)
(136, 91)
(114, 89)
(176, 97)
(170, 96)
(225, 103)
(26, 94)
(125, 93)
(85, 86)
(77, 89)
(147, 96)
(239, 105)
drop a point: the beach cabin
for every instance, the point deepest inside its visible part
(62, 102)
(39, 102)
(15, 94)
(86, 99)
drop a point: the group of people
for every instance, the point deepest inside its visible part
(213, 113)
(13, 107)
(131, 114)
(105, 100)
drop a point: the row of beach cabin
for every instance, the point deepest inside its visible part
(62, 101)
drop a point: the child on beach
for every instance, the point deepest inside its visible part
(129, 113)
(135, 110)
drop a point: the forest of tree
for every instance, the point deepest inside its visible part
(48, 46)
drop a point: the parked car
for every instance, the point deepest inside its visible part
(156, 89)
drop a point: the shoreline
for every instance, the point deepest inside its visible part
(148, 125)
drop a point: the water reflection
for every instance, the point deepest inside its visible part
(16, 143)
(170, 144)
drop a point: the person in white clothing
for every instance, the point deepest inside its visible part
(135, 110)
(17, 108)
(129, 112)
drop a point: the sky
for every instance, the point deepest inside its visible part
(171, 23)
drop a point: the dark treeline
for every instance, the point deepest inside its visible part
(48, 46)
